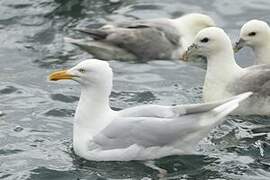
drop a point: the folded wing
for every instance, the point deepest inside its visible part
(255, 79)
(181, 124)
(152, 39)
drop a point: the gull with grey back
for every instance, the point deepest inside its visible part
(138, 133)
(225, 78)
(161, 38)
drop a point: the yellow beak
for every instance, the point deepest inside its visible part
(59, 75)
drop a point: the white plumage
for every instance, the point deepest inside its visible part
(256, 34)
(224, 78)
(138, 133)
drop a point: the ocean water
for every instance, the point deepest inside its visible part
(36, 128)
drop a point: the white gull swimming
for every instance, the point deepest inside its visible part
(256, 34)
(225, 78)
(138, 133)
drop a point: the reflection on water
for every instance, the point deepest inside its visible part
(36, 130)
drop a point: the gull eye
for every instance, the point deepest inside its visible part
(252, 34)
(81, 70)
(205, 40)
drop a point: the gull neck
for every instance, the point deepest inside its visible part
(262, 54)
(92, 110)
(221, 70)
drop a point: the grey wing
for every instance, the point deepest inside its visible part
(255, 79)
(192, 125)
(144, 39)
(163, 25)
(159, 111)
(145, 131)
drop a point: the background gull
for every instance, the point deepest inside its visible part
(138, 133)
(144, 39)
(224, 78)
(256, 34)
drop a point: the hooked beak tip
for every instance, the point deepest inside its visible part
(185, 56)
(188, 52)
(239, 45)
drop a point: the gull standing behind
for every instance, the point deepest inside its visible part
(256, 34)
(144, 39)
(224, 78)
(139, 133)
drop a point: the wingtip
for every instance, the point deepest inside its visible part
(234, 102)
(243, 96)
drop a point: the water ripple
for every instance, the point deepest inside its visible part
(36, 131)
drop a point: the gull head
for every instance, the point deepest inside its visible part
(254, 34)
(91, 73)
(195, 22)
(209, 41)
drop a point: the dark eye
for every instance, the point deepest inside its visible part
(205, 40)
(81, 70)
(252, 34)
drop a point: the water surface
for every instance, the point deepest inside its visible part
(36, 130)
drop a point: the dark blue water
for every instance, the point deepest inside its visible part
(36, 130)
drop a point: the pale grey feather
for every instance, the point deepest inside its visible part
(255, 79)
(148, 39)
(163, 25)
(103, 50)
(153, 125)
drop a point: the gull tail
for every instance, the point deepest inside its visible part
(214, 117)
(208, 116)
(102, 50)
